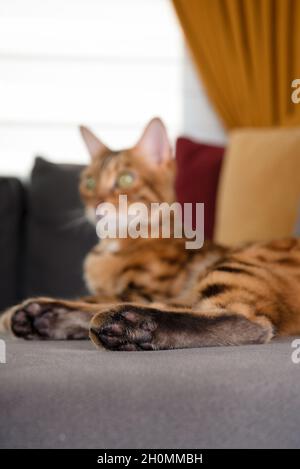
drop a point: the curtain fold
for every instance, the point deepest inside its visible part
(247, 53)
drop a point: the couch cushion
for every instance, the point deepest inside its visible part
(198, 169)
(70, 395)
(11, 213)
(259, 190)
(57, 234)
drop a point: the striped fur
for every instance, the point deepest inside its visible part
(150, 294)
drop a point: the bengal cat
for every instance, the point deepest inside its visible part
(152, 294)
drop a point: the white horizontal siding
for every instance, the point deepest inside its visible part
(72, 92)
(89, 28)
(200, 121)
(20, 144)
(109, 64)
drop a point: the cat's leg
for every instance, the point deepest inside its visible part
(47, 318)
(137, 327)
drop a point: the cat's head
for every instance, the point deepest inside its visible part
(145, 172)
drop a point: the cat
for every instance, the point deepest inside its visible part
(152, 294)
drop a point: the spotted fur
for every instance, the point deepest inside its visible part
(150, 294)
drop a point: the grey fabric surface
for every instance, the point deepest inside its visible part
(69, 395)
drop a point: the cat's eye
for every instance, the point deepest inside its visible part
(90, 183)
(125, 180)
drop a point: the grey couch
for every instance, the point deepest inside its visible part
(43, 235)
(69, 395)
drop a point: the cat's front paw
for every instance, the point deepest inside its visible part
(125, 327)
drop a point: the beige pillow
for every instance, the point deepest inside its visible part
(259, 191)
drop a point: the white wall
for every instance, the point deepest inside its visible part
(110, 64)
(199, 121)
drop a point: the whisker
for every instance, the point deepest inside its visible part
(75, 213)
(75, 223)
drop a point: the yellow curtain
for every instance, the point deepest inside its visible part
(247, 53)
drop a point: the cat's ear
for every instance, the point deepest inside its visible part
(95, 147)
(154, 143)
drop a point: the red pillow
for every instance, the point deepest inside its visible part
(198, 170)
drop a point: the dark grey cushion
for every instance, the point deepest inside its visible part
(70, 395)
(11, 214)
(57, 235)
